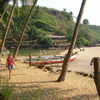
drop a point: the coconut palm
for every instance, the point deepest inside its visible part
(4, 9)
(9, 22)
(26, 2)
(24, 29)
(67, 56)
(7, 26)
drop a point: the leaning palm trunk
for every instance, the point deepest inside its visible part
(4, 10)
(24, 29)
(7, 27)
(67, 56)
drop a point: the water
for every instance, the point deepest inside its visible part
(37, 52)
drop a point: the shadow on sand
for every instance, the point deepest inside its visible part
(36, 89)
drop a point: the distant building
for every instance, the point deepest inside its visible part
(59, 42)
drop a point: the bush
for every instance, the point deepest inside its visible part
(84, 42)
(46, 41)
(6, 90)
(43, 25)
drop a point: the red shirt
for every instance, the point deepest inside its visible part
(10, 61)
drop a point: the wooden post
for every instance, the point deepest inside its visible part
(40, 53)
(96, 61)
(0, 57)
(30, 59)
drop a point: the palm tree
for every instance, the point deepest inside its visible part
(9, 22)
(4, 10)
(24, 29)
(7, 27)
(67, 56)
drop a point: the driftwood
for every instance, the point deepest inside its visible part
(49, 68)
(56, 70)
(85, 74)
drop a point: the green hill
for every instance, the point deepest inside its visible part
(47, 21)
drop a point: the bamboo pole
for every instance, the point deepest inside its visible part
(96, 61)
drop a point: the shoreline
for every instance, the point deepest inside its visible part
(83, 59)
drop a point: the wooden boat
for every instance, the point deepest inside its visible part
(52, 61)
(41, 58)
(50, 57)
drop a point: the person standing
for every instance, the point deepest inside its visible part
(10, 63)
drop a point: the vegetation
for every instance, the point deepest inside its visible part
(42, 23)
(24, 28)
(8, 91)
(7, 27)
(46, 21)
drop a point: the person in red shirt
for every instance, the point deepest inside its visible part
(10, 63)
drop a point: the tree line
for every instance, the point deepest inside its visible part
(43, 22)
(3, 10)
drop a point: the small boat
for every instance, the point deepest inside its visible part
(50, 57)
(50, 60)
(39, 58)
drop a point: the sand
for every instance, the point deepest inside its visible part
(75, 87)
(82, 62)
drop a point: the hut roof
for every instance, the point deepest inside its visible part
(56, 36)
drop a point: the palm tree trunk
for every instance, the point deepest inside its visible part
(7, 27)
(24, 29)
(67, 56)
(4, 10)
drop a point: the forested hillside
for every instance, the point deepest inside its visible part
(47, 21)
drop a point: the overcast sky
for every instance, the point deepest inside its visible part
(91, 11)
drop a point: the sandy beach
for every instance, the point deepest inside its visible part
(82, 62)
(75, 87)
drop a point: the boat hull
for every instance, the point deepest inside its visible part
(52, 61)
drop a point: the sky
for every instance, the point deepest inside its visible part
(91, 11)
